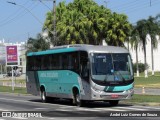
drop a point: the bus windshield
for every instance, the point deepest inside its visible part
(111, 67)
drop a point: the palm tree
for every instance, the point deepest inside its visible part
(142, 29)
(153, 30)
(135, 40)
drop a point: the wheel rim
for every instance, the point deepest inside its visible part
(78, 101)
(43, 96)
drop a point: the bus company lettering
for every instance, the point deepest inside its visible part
(49, 75)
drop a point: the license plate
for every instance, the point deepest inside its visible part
(114, 96)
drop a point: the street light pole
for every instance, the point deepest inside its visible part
(54, 22)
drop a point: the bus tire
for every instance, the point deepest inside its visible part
(113, 102)
(78, 101)
(43, 96)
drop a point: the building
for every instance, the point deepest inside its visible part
(156, 54)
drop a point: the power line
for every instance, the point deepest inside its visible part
(12, 14)
(144, 6)
(134, 5)
(19, 15)
(131, 6)
(124, 5)
(45, 5)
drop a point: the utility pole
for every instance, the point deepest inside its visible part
(54, 23)
(54, 38)
(150, 3)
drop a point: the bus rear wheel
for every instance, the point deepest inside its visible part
(113, 102)
(43, 96)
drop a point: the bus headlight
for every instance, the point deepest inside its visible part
(130, 90)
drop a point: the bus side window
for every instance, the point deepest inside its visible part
(65, 61)
(37, 62)
(45, 62)
(75, 62)
(54, 62)
(50, 62)
(30, 63)
(70, 61)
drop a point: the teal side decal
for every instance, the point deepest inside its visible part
(63, 50)
(60, 81)
(118, 88)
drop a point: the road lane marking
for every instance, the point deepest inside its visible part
(62, 110)
(51, 118)
(3, 110)
(40, 108)
(85, 109)
(109, 109)
(14, 100)
(68, 106)
(129, 108)
(147, 107)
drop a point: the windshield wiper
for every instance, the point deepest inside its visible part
(106, 78)
(123, 79)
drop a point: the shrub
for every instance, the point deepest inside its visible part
(141, 67)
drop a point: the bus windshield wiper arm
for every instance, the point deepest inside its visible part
(121, 76)
(106, 78)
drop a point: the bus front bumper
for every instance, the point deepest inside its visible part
(102, 95)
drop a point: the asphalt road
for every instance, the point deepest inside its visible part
(20, 105)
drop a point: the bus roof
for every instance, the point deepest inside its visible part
(81, 47)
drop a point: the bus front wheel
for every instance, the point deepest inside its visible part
(78, 101)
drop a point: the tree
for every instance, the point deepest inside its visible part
(119, 29)
(85, 22)
(153, 31)
(135, 41)
(37, 44)
(143, 31)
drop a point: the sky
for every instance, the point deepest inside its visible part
(24, 20)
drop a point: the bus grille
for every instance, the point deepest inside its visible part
(114, 91)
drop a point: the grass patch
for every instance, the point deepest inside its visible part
(145, 99)
(16, 90)
(150, 82)
(15, 80)
(149, 74)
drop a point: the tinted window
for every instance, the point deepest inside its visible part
(64, 61)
